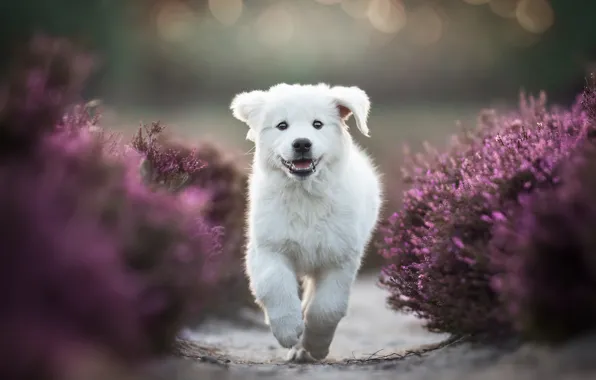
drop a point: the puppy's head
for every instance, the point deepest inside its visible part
(301, 129)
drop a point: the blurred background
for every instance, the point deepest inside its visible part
(425, 63)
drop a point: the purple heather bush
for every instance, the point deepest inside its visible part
(63, 280)
(546, 249)
(92, 260)
(440, 265)
(547, 253)
(172, 165)
(164, 166)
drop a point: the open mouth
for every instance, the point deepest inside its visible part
(301, 167)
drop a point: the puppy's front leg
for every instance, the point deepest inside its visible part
(275, 287)
(298, 354)
(326, 309)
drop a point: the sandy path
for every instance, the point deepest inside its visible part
(370, 327)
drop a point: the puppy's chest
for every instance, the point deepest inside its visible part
(310, 227)
(314, 222)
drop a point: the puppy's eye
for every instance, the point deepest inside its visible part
(282, 126)
(317, 124)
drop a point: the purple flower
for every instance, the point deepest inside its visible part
(164, 166)
(440, 265)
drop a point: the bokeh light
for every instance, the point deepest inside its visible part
(517, 36)
(329, 2)
(174, 21)
(504, 8)
(355, 8)
(387, 16)
(226, 12)
(275, 26)
(476, 2)
(425, 25)
(536, 16)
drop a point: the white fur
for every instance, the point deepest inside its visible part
(316, 228)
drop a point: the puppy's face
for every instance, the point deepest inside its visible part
(301, 130)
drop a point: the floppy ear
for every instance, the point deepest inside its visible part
(245, 106)
(353, 101)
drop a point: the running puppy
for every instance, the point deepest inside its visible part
(314, 202)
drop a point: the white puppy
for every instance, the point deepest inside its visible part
(314, 202)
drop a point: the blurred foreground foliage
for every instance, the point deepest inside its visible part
(96, 266)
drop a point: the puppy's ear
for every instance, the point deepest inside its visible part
(245, 106)
(352, 101)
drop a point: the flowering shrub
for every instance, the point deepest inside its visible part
(90, 256)
(164, 166)
(548, 257)
(220, 177)
(225, 182)
(546, 250)
(62, 276)
(440, 266)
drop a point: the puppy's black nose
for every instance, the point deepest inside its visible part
(301, 145)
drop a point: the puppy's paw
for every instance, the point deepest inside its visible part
(287, 330)
(297, 354)
(319, 354)
(317, 348)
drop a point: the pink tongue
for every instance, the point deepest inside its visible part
(301, 164)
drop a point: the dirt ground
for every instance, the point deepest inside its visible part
(372, 342)
(368, 330)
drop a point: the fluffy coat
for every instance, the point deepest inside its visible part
(314, 201)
